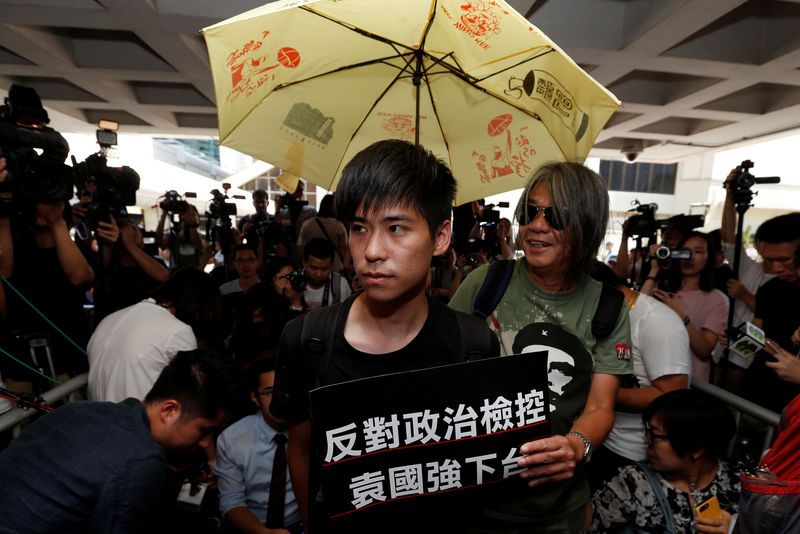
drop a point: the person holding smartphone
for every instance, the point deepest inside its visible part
(685, 468)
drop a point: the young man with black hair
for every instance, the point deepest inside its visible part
(776, 310)
(323, 287)
(99, 466)
(396, 199)
(251, 464)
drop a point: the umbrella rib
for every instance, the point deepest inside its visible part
(367, 114)
(549, 50)
(356, 29)
(439, 121)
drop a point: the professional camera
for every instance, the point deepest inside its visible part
(173, 202)
(682, 223)
(743, 180)
(111, 188)
(220, 208)
(644, 224)
(664, 254)
(42, 178)
(298, 281)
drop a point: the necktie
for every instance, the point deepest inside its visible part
(277, 486)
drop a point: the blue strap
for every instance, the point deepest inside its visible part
(659, 493)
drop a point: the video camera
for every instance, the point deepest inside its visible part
(111, 188)
(174, 203)
(682, 223)
(297, 280)
(644, 224)
(665, 254)
(220, 208)
(39, 177)
(743, 180)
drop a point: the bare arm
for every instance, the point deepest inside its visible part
(163, 242)
(622, 269)
(191, 221)
(737, 290)
(701, 340)
(72, 262)
(636, 399)
(153, 268)
(298, 455)
(553, 459)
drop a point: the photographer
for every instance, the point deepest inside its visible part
(53, 275)
(248, 222)
(752, 275)
(689, 292)
(128, 273)
(466, 263)
(265, 309)
(323, 287)
(183, 241)
(493, 230)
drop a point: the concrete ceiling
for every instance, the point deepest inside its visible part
(693, 75)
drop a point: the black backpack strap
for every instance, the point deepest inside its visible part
(607, 313)
(317, 339)
(336, 287)
(493, 288)
(475, 338)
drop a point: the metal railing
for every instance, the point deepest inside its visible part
(17, 415)
(741, 406)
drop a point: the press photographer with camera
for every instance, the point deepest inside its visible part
(493, 230)
(689, 292)
(266, 308)
(48, 268)
(751, 275)
(186, 247)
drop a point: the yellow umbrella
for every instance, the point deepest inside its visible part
(305, 85)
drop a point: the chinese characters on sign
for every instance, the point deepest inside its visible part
(464, 433)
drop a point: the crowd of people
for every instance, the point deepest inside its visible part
(387, 278)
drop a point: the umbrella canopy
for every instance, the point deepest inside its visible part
(305, 85)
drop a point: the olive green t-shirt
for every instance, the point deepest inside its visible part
(530, 319)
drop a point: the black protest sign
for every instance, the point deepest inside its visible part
(397, 443)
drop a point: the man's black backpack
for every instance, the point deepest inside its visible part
(499, 276)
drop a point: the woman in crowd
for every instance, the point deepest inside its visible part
(264, 310)
(687, 433)
(548, 309)
(688, 290)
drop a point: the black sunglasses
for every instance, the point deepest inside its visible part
(531, 211)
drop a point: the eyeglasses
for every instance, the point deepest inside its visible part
(531, 211)
(266, 392)
(651, 436)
